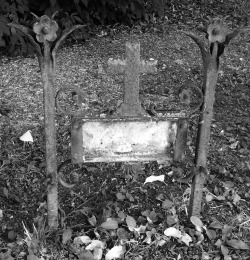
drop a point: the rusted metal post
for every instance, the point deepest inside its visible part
(45, 30)
(50, 135)
(203, 137)
(219, 39)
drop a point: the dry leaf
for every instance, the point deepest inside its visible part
(114, 253)
(172, 232)
(27, 137)
(110, 224)
(67, 234)
(155, 178)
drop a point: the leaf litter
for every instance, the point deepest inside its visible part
(107, 197)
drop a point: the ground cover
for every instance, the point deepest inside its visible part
(118, 190)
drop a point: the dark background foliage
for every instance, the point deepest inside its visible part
(103, 12)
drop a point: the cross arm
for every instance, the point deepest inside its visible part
(148, 66)
(116, 66)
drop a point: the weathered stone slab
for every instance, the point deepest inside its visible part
(118, 140)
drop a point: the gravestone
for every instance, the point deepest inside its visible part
(130, 133)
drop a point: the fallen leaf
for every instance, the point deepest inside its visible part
(197, 222)
(236, 198)
(6, 192)
(155, 178)
(110, 224)
(179, 62)
(153, 216)
(131, 223)
(121, 215)
(228, 184)
(209, 197)
(238, 244)
(92, 220)
(122, 233)
(85, 255)
(140, 229)
(171, 220)
(160, 242)
(82, 239)
(226, 231)
(6, 255)
(224, 250)
(216, 224)
(167, 204)
(27, 137)
(12, 235)
(33, 257)
(220, 197)
(211, 233)
(120, 196)
(97, 254)
(218, 243)
(67, 234)
(186, 239)
(234, 145)
(95, 244)
(114, 253)
(172, 232)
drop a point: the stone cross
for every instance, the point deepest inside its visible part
(132, 66)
